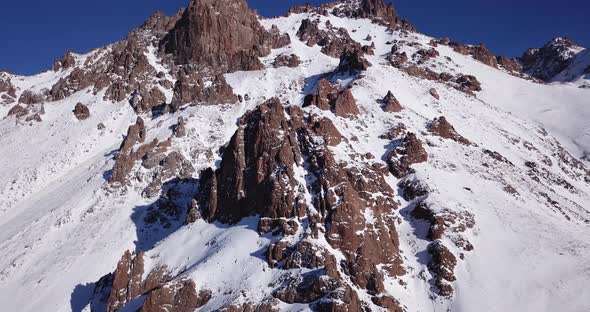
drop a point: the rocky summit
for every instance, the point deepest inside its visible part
(330, 159)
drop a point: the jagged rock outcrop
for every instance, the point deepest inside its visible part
(127, 281)
(327, 97)
(191, 87)
(18, 111)
(81, 111)
(333, 41)
(224, 35)
(67, 61)
(179, 129)
(7, 90)
(376, 10)
(325, 128)
(443, 265)
(390, 104)
(181, 296)
(407, 152)
(257, 168)
(257, 176)
(424, 55)
(352, 62)
(468, 84)
(551, 59)
(126, 159)
(286, 60)
(162, 292)
(442, 128)
(29, 97)
(510, 64)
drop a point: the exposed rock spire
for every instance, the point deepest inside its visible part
(224, 34)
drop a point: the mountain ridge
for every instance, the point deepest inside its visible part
(383, 170)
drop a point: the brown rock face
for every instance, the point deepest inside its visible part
(409, 151)
(126, 157)
(376, 10)
(467, 84)
(548, 61)
(390, 104)
(334, 41)
(222, 34)
(352, 61)
(29, 97)
(257, 176)
(388, 303)
(327, 97)
(345, 104)
(257, 168)
(442, 265)
(285, 60)
(434, 93)
(81, 111)
(509, 64)
(191, 87)
(67, 61)
(127, 281)
(18, 111)
(442, 128)
(326, 129)
(175, 296)
(7, 87)
(162, 294)
(424, 55)
(482, 54)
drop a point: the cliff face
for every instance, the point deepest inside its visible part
(224, 35)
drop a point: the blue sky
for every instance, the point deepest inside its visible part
(33, 33)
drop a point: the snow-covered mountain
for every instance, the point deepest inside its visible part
(332, 159)
(560, 60)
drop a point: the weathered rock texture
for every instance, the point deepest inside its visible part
(154, 155)
(81, 111)
(442, 128)
(407, 152)
(67, 61)
(286, 60)
(222, 34)
(442, 264)
(390, 104)
(376, 10)
(548, 61)
(328, 97)
(162, 293)
(334, 41)
(258, 176)
(423, 65)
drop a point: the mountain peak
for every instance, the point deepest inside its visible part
(219, 33)
(547, 62)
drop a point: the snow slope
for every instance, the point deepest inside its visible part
(62, 228)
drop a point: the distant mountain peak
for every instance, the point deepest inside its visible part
(547, 62)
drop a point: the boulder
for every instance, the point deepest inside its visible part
(81, 111)
(286, 60)
(434, 93)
